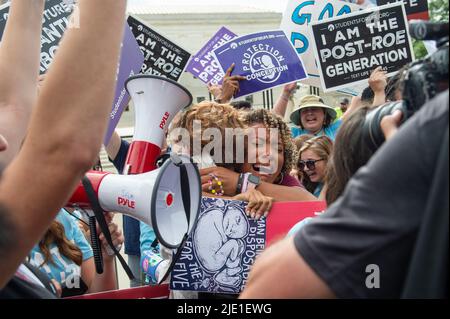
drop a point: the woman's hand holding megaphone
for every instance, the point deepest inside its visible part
(117, 239)
(116, 235)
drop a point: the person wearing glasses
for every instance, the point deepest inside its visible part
(312, 163)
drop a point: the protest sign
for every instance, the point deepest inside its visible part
(131, 60)
(221, 250)
(363, 3)
(204, 65)
(295, 23)
(162, 57)
(55, 22)
(265, 59)
(284, 215)
(415, 9)
(348, 48)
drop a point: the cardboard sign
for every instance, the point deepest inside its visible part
(204, 65)
(221, 250)
(266, 59)
(297, 17)
(131, 60)
(284, 215)
(162, 57)
(348, 48)
(415, 9)
(55, 22)
(364, 4)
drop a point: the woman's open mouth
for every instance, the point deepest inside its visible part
(262, 169)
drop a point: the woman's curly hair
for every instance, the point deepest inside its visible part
(210, 115)
(271, 120)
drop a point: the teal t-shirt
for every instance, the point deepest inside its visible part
(329, 131)
(63, 269)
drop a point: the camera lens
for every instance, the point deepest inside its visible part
(373, 135)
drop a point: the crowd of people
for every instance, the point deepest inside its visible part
(384, 205)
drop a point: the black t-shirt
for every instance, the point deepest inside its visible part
(374, 226)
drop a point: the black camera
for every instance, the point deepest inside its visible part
(422, 80)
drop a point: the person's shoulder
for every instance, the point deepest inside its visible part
(335, 125)
(64, 217)
(124, 145)
(435, 109)
(290, 181)
(297, 131)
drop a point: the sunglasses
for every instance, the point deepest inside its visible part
(311, 164)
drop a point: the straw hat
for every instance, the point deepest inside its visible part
(311, 101)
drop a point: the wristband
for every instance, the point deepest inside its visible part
(239, 184)
(245, 183)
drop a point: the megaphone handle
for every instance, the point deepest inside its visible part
(96, 247)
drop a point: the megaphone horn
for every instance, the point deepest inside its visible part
(157, 100)
(167, 199)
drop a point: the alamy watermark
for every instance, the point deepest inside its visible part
(373, 277)
(229, 145)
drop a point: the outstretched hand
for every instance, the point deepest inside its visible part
(258, 206)
(230, 86)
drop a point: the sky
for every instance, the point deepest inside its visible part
(277, 5)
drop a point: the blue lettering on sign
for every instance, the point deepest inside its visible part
(303, 18)
(345, 9)
(299, 40)
(295, 36)
(328, 9)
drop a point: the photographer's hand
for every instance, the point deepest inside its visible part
(390, 123)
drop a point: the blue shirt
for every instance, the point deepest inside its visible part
(138, 236)
(63, 269)
(318, 190)
(330, 131)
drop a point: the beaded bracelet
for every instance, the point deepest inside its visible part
(211, 185)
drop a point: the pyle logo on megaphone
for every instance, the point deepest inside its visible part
(164, 120)
(126, 200)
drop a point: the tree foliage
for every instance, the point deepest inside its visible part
(438, 10)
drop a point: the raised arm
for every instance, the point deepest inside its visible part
(20, 49)
(283, 100)
(66, 129)
(378, 82)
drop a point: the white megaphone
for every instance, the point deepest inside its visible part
(156, 100)
(167, 199)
